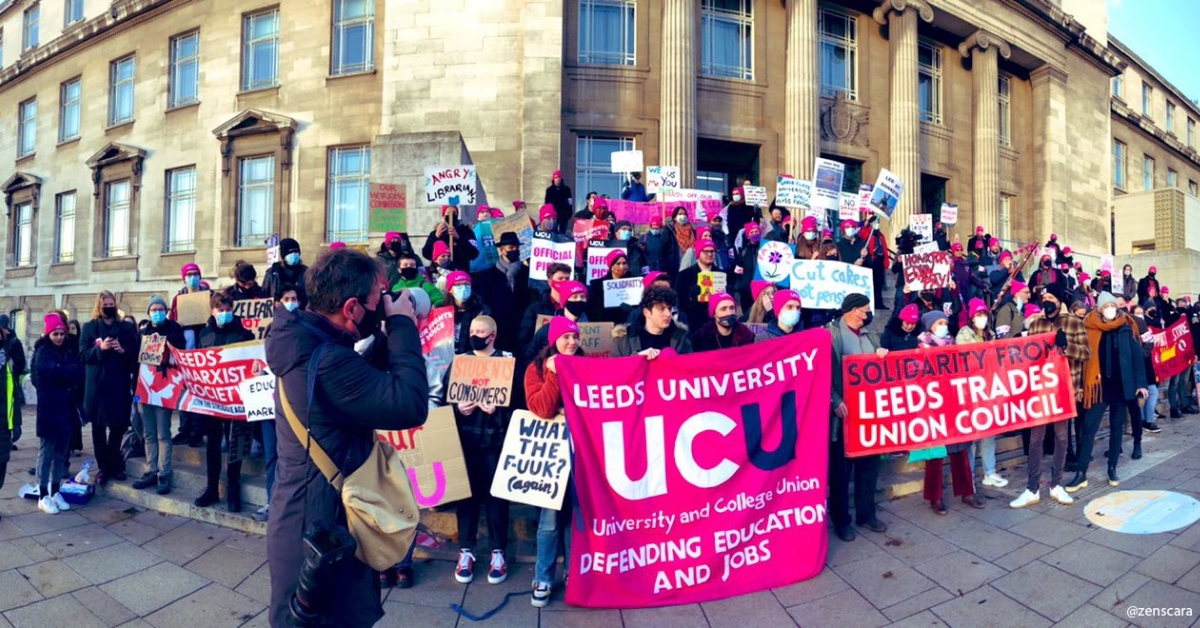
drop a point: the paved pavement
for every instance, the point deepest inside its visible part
(110, 564)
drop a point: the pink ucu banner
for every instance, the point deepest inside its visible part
(699, 477)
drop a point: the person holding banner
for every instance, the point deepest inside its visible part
(572, 295)
(654, 329)
(467, 306)
(544, 398)
(902, 332)
(724, 331)
(634, 190)
(559, 196)
(109, 349)
(458, 238)
(58, 376)
(852, 245)
(156, 420)
(978, 330)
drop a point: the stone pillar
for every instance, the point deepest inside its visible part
(677, 113)
(900, 16)
(983, 48)
(802, 104)
(1051, 177)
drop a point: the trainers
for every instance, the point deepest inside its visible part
(146, 481)
(1028, 498)
(541, 594)
(1153, 428)
(47, 505)
(1059, 494)
(499, 569)
(464, 572)
(994, 480)
(62, 504)
(262, 514)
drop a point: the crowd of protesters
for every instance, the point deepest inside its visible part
(85, 374)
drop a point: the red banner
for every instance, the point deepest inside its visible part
(437, 344)
(698, 478)
(1173, 351)
(204, 381)
(954, 394)
(587, 230)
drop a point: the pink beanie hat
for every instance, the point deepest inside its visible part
(782, 298)
(54, 323)
(439, 249)
(560, 325)
(189, 267)
(716, 300)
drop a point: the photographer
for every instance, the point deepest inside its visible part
(349, 401)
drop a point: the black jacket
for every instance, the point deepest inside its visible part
(507, 304)
(894, 337)
(708, 339)
(280, 275)
(213, 336)
(350, 401)
(59, 380)
(107, 393)
(462, 322)
(14, 351)
(461, 253)
(543, 306)
(689, 291)
(560, 197)
(1122, 370)
(597, 313)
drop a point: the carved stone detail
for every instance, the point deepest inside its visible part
(845, 123)
(983, 40)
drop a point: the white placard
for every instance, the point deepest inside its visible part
(624, 161)
(922, 225)
(848, 208)
(661, 177)
(791, 192)
(756, 196)
(450, 185)
(626, 291)
(822, 284)
(258, 397)
(687, 194)
(886, 193)
(597, 256)
(774, 261)
(547, 251)
(949, 214)
(827, 183)
(535, 463)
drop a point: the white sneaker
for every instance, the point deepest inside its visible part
(1028, 498)
(46, 505)
(62, 504)
(464, 572)
(498, 570)
(541, 594)
(994, 480)
(1060, 495)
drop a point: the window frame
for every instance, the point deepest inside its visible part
(113, 163)
(849, 43)
(67, 6)
(1120, 164)
(1172, 178)
(31, 37)
(334, 180)
(61, 254)
(248, 47)
(175, 63)
(1004, 218)
(1191, 132)
(934, 71)
(23, 235)
(65, 105)
(743, 19)
(1118, 86)
(243, 239)
(1004, 98)
(337, 67)
(585, 170)
(586, 54)
(1193, 188)
(115, 86)
(1147, 172)
(108, 250)
(1170, 117)
(171, 211)
(1147, 99)
(27, 128)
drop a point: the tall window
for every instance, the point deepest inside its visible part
(1170, 117)
(1, 47)
(1193, 189)
(72, 12)
(839, 54)
(593, 163)
(929, 64)
(1171, 174)
(181, 209)
(68, 110)
(727, 38)
(27, 129)
(260, 50)
(1118, 86)
(1005, 111)
(64, 228)
(353, 36)
(1191, 133)
(606, 31)
(256, 200)
(1119, 164)
(184, 87)
(116, 218)
(349, 181)
(120, 91)
(1005, 218)
(1147, 172)
(711, 181)
(22, 236)
(1146, 91)
(29, 32)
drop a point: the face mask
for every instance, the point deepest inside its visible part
(483, 220)
(224, 318)
(1046, 264)
(756, 238)
(980, 322)
(789, 318)
(1128, 274)
(548, 225)
(1020, 302)
(576, 308)
(737, 198)
(369, 322)
(512, 256)
(681, 219)
(396, 246)
(408, 274)
(447, 264)
(655, 231)
(478, 344)
(624, 234)
(1050, 309)
(727, 321)
(461, 293)
(158, 317)
(850, 232)
(193, 281)
(291, 306)
(1110, 313)
(942, 331)
(108, 312)
(810, 236)
(868, 318)
(292, 259)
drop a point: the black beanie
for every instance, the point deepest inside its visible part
(288, 245)
(1055, 288)
(853, 301)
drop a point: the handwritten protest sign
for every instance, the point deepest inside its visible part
(1106, 263)
(597, 258)
(823, 284)
(790, 193)
(686, 194)
(192, 308)
(258, 397)
(585, 230)
(927, 271)
(710, 283)
(450, 185)
(1173, 352)
(256, 315)
(517, 223)
(548, 249)
(623, 291)
(917, 399)
(535, 463)
(922, 225)
(756, 196)
(775, 261)
(204, 381)
(433, 457)
(152, 350)
(474, 379)
(624, 161)
(388, 207)
(827, 183)
(272, 249)
(886, 193)
(848, 208)
(864, 200)
(949, 214)
(437, 344)
(661, 177)
(925, 247)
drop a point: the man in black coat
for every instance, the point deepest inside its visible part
(504, 288)
(289, 271)
(350, 400)
(109, 349)
(463, 251)
(687, 284)
(559, 195)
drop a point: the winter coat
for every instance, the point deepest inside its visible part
(15, 356)
(174, 335)
(462, 321)
(542, 307)
(926, 340)
(233, 333)
(737, 215)
(846, 342)
(280, 275)
(662, 252)
(506, 304)
(631, 343)
(709, 339)
(107, 393)
(894, 337)
(635, 191)
(1122, 366)
(238, 293)
(1144, 285)
(461, 253)
(542, 393)
(849, 251)
(595, 299)
(350, 400)
(1129, 288)
(1007, 315)
(748, 261)
(635, 252)
(561, 198)
(688, 289)
(773, 331)
(60, 388)
(420, 283)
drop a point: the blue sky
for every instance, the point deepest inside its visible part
(1164, 34)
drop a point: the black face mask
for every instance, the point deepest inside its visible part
(1046, 264)
(870, 317)
(512, 256)
(727, 321)
(448, 264)
(1050, 309)
(408, 273)
(369, 322)
(396, 246)
(576, 308)
(108, 312)
(478, 344)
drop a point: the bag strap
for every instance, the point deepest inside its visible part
(328, 468)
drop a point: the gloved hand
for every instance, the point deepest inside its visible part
(16, 433)
(1060, 339)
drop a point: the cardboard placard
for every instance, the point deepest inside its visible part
(827, 183)
(886, 193)
(625, 161)
(192, 308)
(152, 350)
(597, 258)
(864, 199)
(549, 249)
(710, 283)
(756, 196)
(619, 292)
(475, 379)
(927, 271)
(256, 315)
(433, 457)
(661, 177)
(258, 397)
(792, 192)
(949, 214)
(450, 185)
(388, 207)
(585, 230)
(848, 208)
(535, 463)
(595, 339)
(517, 223)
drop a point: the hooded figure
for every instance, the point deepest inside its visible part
(559, 195)
(1146, 283)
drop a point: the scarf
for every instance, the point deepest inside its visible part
(1096, 327)
(510, 271)
(685, 237)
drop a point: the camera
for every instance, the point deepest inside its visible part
(324, 547)
(907, 241)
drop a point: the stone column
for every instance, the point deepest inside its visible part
(900, 16)
(1051, 178)
(677, 113)
(983, 48)
(802, 103)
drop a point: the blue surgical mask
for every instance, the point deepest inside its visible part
(623, 234)
(655, 231)
(224, 318)
(942, 331)
(810, 236)
(193, 281)
(789, 318)
(292, 259)
(1020, 302)
(291, 306)
(158, 317)
(462, 293)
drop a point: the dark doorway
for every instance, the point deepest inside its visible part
(933, 194)
(719, 162)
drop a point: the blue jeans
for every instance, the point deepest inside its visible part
(987, 452)
(271, 454)
(1151, 401)
(1175, 392)
(553, 526)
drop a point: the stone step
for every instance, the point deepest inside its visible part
(180, 503)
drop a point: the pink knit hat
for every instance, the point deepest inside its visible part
(716, 300)
(757, 286)
(457, 277)
(910, 314)
(1016, 287)
(337, 246)
(782, 298)
(559, 326)
(497, 213)
(54, 323)
(1005, 255)
(439, 249)
(1031, 309)
(704, 245)
(546, 212)
(568, 289)
(808, 224)
(652, 277)
(391, 235)
(189, 267)
(613, 256)
(977, 306)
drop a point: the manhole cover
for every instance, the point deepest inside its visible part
(1143, 512)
